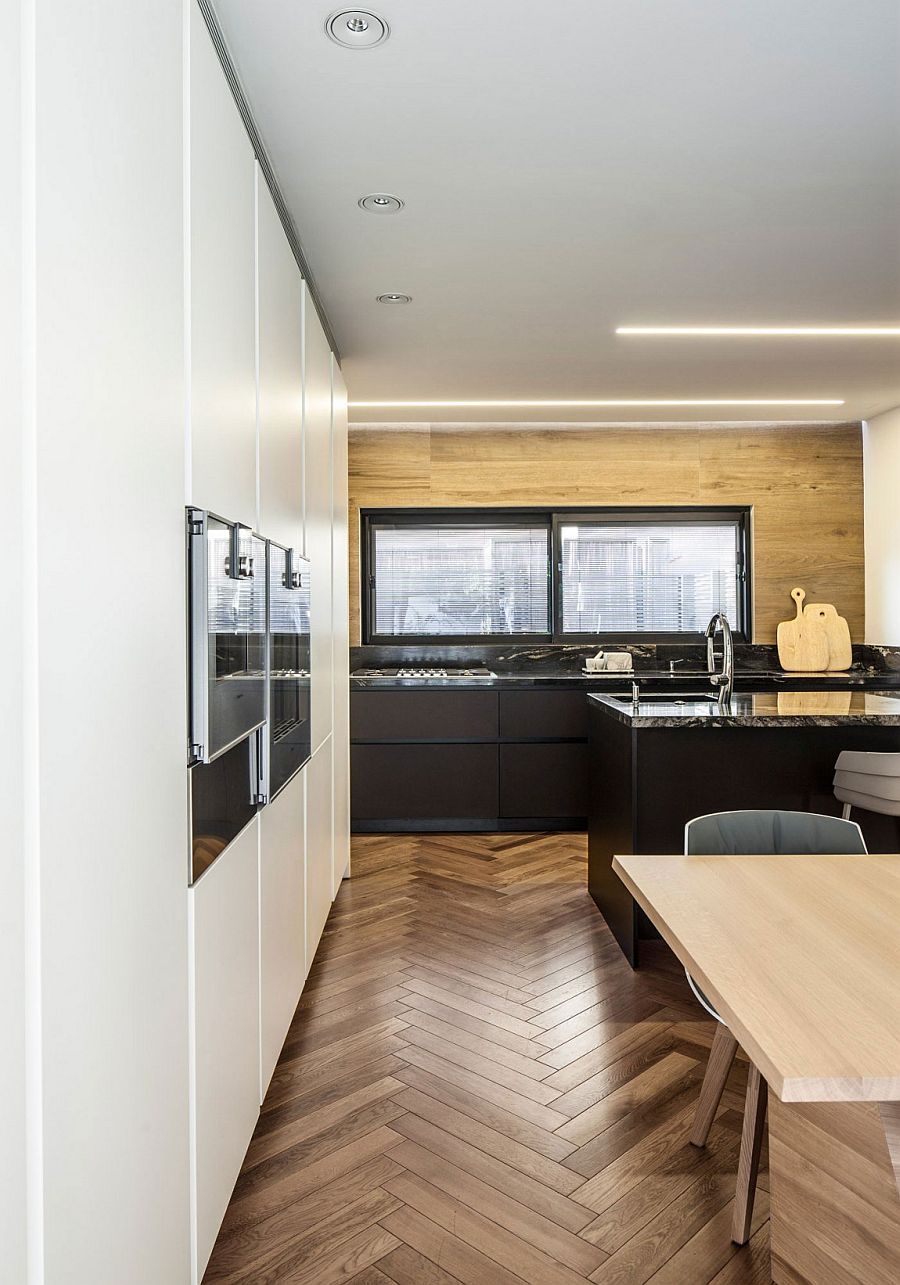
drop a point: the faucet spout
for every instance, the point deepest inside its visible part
(722, 678)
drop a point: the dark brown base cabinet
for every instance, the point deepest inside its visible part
(437, 759)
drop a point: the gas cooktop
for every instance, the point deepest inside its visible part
(425, 671)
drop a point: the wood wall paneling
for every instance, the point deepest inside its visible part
(804, 482)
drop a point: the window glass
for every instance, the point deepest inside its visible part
(461, 581)
(648, 577)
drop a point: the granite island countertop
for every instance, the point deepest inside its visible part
(783, 709)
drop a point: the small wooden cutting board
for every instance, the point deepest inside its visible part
(837, 632)
(803, 641)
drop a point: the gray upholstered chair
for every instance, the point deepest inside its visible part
(752, 833)
(868, 779)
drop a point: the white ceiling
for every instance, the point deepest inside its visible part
(572, 166)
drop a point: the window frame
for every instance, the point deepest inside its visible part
(554, 518)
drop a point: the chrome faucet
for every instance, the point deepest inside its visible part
(722, 678)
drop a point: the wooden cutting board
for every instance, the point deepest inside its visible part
(803, 641)
(837, 632)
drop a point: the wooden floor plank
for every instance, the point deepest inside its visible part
(478, 1086)
(476, 1089)
(543, 1141)
(525, 1063)
(482, 1233)
(593, 1120)
(490, 1202)
(466, 1022)
(523, 1188)
(527, 1086)
(549, 1173)
(267, 1237)
(494, 1013)
(438, 1245)
(406, 1266)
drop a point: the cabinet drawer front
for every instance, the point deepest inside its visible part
(423, 715)
(544, 780)
(409, 782)
(532, 714)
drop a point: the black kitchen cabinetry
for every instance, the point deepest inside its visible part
(467, 759)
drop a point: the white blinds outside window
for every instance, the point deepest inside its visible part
(461, 580)
(647, 578)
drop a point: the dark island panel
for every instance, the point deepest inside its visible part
(649, 777)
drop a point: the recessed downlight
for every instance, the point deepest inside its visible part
(357, 29)
(380, 203)
(393, 298)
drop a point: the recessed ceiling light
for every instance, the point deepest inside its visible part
(357, 29)
(776, 331)
(612, 402)
(380, 203)
(394, 298)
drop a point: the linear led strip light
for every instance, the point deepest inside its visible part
(610, 403)
(823, 332)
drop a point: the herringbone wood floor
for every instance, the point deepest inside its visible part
(477, 1088)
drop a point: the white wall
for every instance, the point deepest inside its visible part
(14, 653)
(881, 461)
(111, 663)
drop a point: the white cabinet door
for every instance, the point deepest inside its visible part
(317, 477)
(279, 373)
(340, 629)
(224, 921)
(318, 846)
(222, 287)
(282, 919)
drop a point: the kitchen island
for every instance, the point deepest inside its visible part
(657, 762)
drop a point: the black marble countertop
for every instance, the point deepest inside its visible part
(560, 666)
(758, 709)
(683, 680)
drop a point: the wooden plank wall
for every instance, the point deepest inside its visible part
(805, 484)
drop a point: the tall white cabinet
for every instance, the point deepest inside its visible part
(317, 455)
(221, 274)
(279, 384)
(267, 446)
(163, 351)
(340, 629)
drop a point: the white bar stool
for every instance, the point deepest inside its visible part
(868, 779)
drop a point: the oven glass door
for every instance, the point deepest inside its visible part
(228, 627)
(289, 690)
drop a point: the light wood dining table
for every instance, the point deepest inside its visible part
(801, 957)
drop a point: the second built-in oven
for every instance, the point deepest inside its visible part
(288, 665)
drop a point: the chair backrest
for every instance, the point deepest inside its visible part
(763, 832)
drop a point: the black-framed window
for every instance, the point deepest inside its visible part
(562, 575)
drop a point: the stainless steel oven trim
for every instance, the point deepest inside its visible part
(294, 562)
(198, 738)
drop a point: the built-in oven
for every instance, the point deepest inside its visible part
(288, 742)
(227, 612)
(227, 646)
